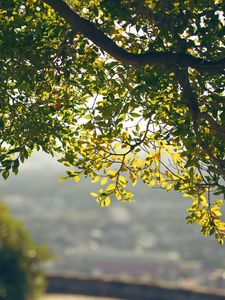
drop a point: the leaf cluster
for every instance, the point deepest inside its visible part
(114, 122)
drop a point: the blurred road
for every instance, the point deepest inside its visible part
(74, 297)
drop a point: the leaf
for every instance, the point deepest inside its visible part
(216, 211)
(16, 163)
(5, 174)
(62, 179)
(22, 157)
(87, 117)
(76, 178)
(135, 115)
(133, 178)
(169, 187)
(95, 113)
(104, 180)
(112, 173)
(95, 179)
(122, 180)
(110, 187)
(105, 202)
(94, 194)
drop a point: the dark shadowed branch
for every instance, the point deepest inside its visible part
(196, 115)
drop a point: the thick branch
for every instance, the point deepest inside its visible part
(168, 59)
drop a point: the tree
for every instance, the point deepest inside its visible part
(121, 90)
(20, 259)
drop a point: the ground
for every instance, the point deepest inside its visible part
(74, 297)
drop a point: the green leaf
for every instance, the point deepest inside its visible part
(5, 174)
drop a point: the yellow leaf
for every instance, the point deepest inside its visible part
(30, 2)
(157, 155)
(105, 202)
(110, 187)
(106, 165)
(203, 201)
(61, 179)
(76, 178)
(152, 182)
(122, 180)
(87, 117)
(216, 211)
(94, 194)
(104, 180)
(133, 178)
(221, 225)
(186, 195)
(176, 155)
(111, 173)
(129, 196)
(169, 187)
(95, 179)
(118, 195)
(116, 145)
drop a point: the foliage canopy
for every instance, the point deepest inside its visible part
(122, 90)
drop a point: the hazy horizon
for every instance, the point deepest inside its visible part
(88, 239)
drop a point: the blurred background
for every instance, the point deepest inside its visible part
(143, 240)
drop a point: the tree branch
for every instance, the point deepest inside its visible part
(192, 101)
(216, 127)
(168, 59)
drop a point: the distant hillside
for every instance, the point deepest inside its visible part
(146, 239)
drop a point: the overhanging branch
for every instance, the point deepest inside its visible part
(168, 59)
